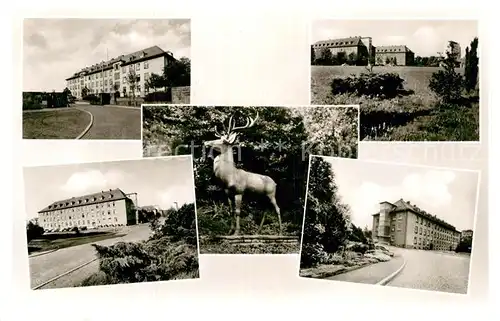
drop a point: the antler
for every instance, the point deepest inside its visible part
(250, 122)
(217, 134)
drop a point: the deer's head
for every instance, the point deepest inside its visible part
(228, 137)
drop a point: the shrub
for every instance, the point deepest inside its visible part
(447, 85)
(179, 225)
(159, 96)
(384, 86)
(312, 254)
(33, 231)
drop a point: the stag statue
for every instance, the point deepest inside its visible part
(237, 181)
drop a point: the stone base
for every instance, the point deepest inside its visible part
(258, 239)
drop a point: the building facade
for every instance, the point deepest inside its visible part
(103, 209)
(395, 55)
(353, 45)
(466, 234)
(115, 74)
(402, 224)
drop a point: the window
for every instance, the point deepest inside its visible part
(420, 231)
(146, 65)
(138, 66)
(124, 70)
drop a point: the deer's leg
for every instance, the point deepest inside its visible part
(237, 211)
(261, 222)
(272, 198)
(230, 201)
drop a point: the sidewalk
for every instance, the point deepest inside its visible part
(371, 274)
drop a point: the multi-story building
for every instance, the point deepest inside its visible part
(103, 209)
(353, 45)
(396, 55)
(405, 225)
(466, 234)
(113, 75)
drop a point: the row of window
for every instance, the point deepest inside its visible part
(69, 217)
(107, 73)
(80, 222)
(338, 43)
(425, 242)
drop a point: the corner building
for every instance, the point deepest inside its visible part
(404, 225)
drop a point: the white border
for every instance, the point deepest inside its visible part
(360, 163)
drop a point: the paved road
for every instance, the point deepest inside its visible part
(371, 274)
(112, 122)
(432, 270)
(47, 266)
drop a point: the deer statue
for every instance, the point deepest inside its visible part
(237, 181)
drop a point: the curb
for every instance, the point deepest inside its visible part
(43, 253)
(127, 107)
(341, 271)
(392, 275)
(63, 274)
(88, 126)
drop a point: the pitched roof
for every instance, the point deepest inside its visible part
(402, 205)
(341, 42)
(95, 198)
(143, 54)
(393, 49)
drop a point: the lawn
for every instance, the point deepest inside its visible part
(409, 117)
(46, 244)
(65, 123)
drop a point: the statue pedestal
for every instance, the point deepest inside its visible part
(258, 239)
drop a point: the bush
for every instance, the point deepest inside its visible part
(312, 254)
(93, 99)
(159, 96)
(447, 85)
(179, 225)
(384, 86)
(33, 231)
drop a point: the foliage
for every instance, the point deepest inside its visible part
(154, 260)
(178, 73)
(326, 218)
(170, 253)
(76, 230)
(386, 85)
(33, 230)
(465, 245)
(179, 225)
(208, 246)
(471, 66)
(274, 147)
(159, 96)
(357, 235)
(156, 81)
(132, 80)
(447, 83)
(313, 56)
(325, 57)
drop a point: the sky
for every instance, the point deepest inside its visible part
(447, 193)
(157, 181)
(54, 49)
(423, 37)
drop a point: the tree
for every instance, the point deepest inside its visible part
(178, 73)
(327, 218)
(447, 83)
(352, 58)
(116, 90)
(341, 58)
(387, 61)
(132, 81)
(156, 81)
(313, 56)
(33, 230)
(471, 66)
(325, 57)
(85, 92)
(465, 245)
(367, 232)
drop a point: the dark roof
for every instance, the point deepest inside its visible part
(140, 55)
(402, 205)
(95, 198)
(393, 49)
(341, 42)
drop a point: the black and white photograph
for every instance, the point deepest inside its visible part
(415, 80)
(87, 78)
(114, 222)
(250, 166)
(389, 224)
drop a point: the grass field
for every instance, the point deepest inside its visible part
(41, 245)
(62, 124)
(422, 120)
